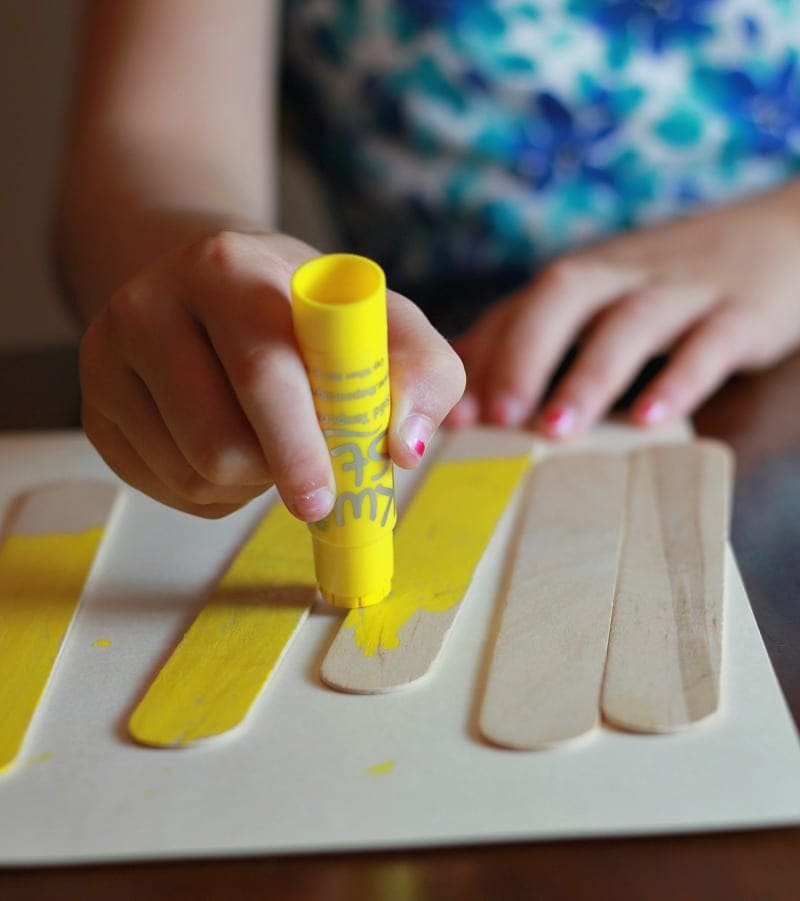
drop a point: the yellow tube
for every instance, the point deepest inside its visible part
(339, 312)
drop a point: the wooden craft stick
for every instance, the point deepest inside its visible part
(663, 665)
(44, 564)
(547, 670)
(214, 675)
(438, 544)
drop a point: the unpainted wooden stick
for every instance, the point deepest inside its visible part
(547, 668)
(664, 657)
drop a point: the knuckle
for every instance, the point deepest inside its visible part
(197, 491)
(262, 370)
(634, 315)
(210, 462)
(194, 488)
(217, 463)
(561, 276)
(126, 310)
(220, 252)
(637, 309)
(728, 335)
(252, 371)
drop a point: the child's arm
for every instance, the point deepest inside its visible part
(193, 389)
(717, 292)
(172, 137)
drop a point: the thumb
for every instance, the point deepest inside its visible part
(427, 379)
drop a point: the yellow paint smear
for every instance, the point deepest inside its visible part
(380, 769)
(101, 643)
(41, 758)
(438, 545)
(216, 672)
(41, 580)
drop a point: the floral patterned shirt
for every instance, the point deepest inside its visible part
(466, 142)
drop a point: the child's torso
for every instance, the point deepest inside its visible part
(467, 136)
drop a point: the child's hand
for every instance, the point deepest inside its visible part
(195, 393)
(718, 292)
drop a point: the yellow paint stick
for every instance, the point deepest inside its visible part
(215, 674)
(44, 564)
(339, 311)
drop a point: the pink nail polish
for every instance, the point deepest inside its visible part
(558, 420)
(652, 412)
(416, 432)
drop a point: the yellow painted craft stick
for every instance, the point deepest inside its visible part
(547, 668)
(438, 545)
(214, 675)
(44, 564)
(665, 649)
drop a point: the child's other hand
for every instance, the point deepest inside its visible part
(194, 391)
(718, 292)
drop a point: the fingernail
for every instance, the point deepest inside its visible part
(315, 505)
(558, 420)
(652, 412)
(416, 433)
(507, 410)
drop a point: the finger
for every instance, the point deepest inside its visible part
(466, 410)
(121, 397)
(188, 386)
(465, 413)
(253, 337)
(427, 378)
(625, 336)
(475, 350)
(700, 364)
(120, 455)
(551, 313)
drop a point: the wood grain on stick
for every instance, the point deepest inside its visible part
(546, 673)
(664, 656)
